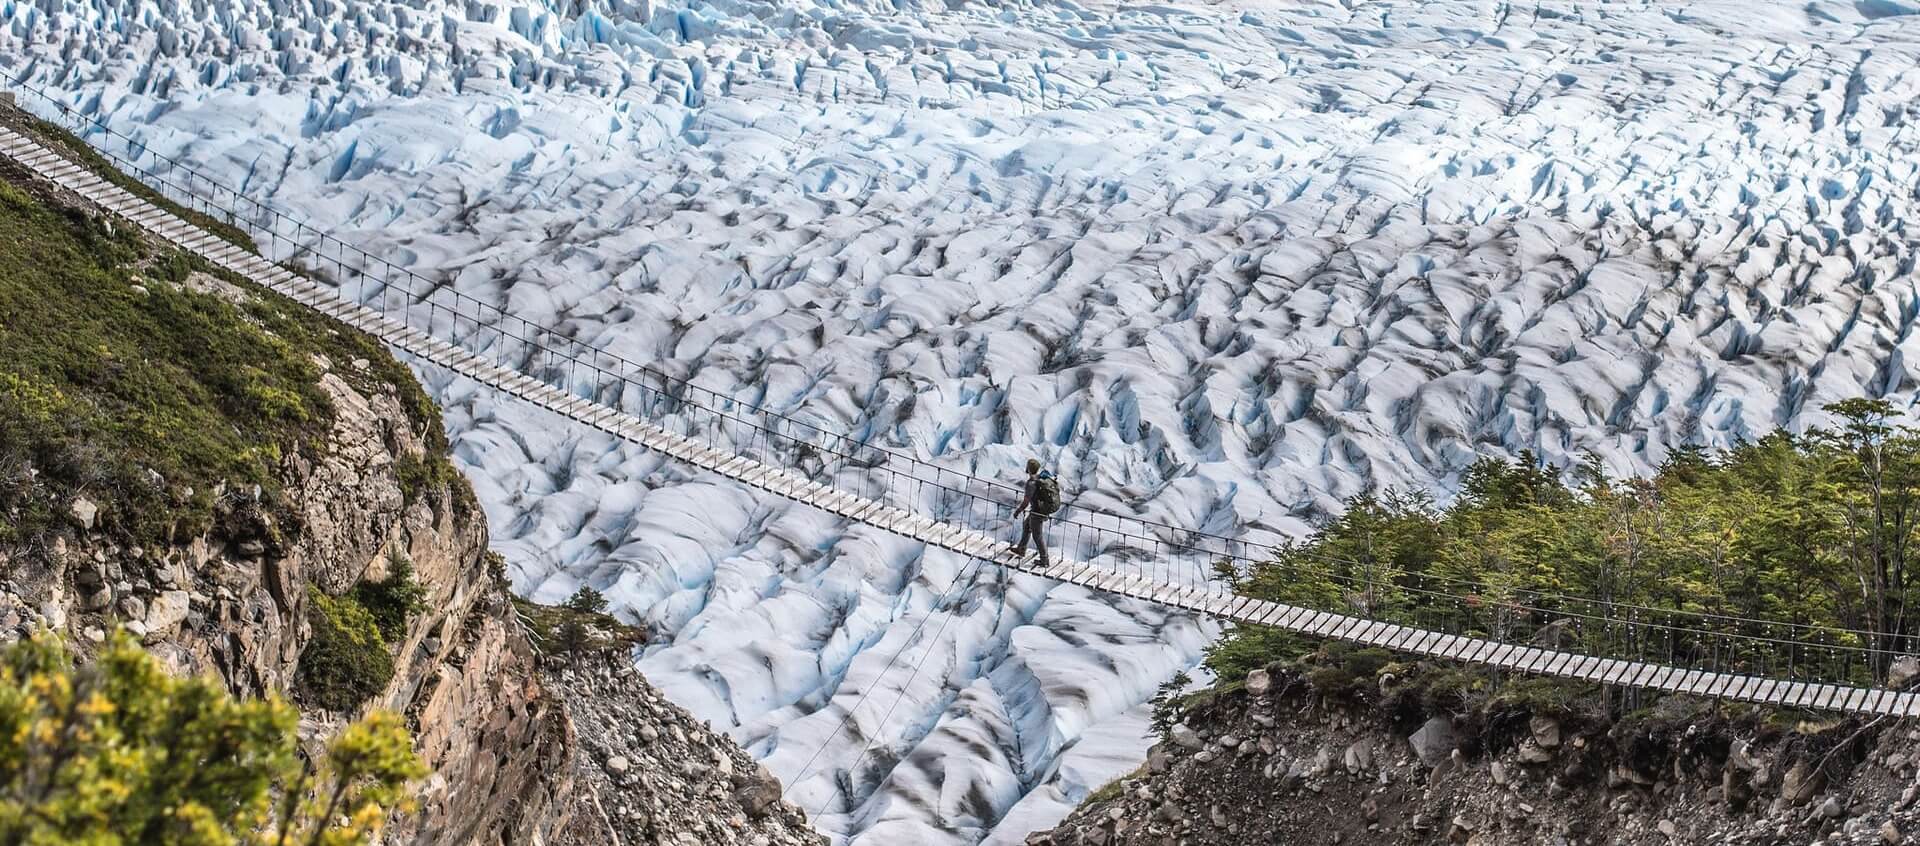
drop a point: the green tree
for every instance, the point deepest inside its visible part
(394, 601)
(586, 600)
(120, 752)
(574, 637)
(1168, 705)
(1873, 473)
(1801, 544)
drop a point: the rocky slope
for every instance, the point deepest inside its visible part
(1284, 760)
(657, 775)
(359, 486)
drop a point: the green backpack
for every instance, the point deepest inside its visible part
(1046, 494)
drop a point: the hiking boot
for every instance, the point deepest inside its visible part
(1017, 553)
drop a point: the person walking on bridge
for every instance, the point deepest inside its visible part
(1039, 500)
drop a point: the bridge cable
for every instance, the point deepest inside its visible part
(891, 660)
(854, 768)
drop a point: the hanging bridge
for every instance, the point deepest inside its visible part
(940, 503)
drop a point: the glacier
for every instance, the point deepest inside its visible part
(1221, 265)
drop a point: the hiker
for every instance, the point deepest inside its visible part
(1040, 500)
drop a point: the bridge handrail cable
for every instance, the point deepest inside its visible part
(728, 408)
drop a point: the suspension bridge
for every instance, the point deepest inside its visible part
(940, 502)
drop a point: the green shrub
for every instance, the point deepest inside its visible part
(121, 751)
(1168, 704)
(347, 660)
(1248, 648)
(392, 603)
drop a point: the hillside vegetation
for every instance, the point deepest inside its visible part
(123, 383)
(1813, 533)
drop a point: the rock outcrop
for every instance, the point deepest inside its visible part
(1288, 765)
(234, 603)
(591, 755)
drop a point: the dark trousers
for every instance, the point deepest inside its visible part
(1030, 528)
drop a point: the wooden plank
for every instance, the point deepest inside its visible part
(1790, 694)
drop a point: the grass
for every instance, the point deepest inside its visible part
(123, 384)
(80, 152)
(1112, 789)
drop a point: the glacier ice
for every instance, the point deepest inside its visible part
(1222, 265)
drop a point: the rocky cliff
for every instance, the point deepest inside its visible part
(248, 487)
(1328, 756)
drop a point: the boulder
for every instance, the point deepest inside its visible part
(1259, 682)
(761, 793)
(167, 611)
(1624, 775)
(1800, 784)
(1434, 741)
(1904, 670)
(1463, 826)
(1546, 732)
(1185, 737)
(1531, 753)
(84, 512)
(1158, 760)
(1358, 758)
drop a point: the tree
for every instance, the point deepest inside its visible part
(1874, 469)
(119, 752)
(586, 600)
(1784, 550)
(1168, 705)
(574, 635)
(395, 601)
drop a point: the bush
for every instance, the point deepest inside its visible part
(392, 603)
(119, 751)
(1248, 648)
(347, 660)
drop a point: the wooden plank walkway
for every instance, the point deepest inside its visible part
(780, 482)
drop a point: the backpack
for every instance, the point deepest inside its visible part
(1046, 494)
